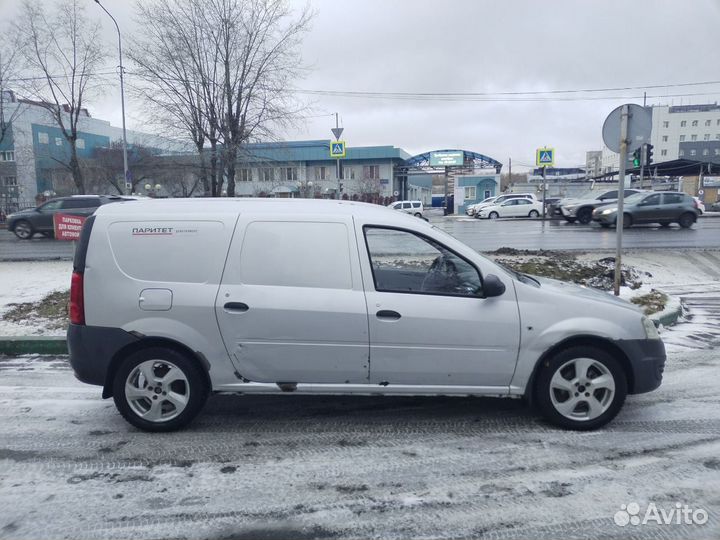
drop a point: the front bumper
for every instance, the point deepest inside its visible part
(568, 212)
(92, 349)
(647, 362)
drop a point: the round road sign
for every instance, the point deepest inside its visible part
(639, 128)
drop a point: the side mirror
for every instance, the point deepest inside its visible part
(492, 286)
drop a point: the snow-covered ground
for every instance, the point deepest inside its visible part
(32, 281)
(29, 282)
(352, 467)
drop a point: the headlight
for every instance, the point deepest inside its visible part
(607, 212)
(650, 329)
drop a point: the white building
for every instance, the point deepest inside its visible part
(671, 126)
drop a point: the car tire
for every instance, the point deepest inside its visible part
(584, 215)
(627, 221)
(24, 230)
(493, 215)
(570, 219)
(418, 214)
(534, 214)
(575, 400)
(157, 404)
(686, 220)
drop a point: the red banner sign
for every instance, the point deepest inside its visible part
(67, 227)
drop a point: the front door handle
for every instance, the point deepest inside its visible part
(388, 314)
(236, 307)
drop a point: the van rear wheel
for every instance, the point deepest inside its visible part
(581, 388)
(159, 389)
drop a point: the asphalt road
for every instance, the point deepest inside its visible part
(482, 235)
(489, 235)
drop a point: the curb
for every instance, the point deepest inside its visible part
(670, 314)
(12, 346)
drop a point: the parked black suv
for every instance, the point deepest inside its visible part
(26, 223)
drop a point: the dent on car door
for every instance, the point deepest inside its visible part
(429, 324)
(291, 306)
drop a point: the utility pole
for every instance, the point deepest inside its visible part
(642, 165)
(126, 172)
(509, 171)
(447, 181)
(624, 114)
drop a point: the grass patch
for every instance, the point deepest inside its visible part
(652, 302)
(564, 266)
(53, 309)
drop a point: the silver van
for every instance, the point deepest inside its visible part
(172, 300)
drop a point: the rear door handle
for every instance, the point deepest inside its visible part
(236, 307)
(388, 314)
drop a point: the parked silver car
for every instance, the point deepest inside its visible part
(174, 299)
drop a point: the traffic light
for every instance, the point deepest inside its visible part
(648, 154)
(636, 158)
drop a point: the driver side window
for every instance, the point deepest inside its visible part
(405, 262)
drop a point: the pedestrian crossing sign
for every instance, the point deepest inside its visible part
(337, 149)
(545, 157)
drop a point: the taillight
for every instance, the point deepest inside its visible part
(77, 300)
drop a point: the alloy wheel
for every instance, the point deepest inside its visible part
(582, 389)
(157, 390)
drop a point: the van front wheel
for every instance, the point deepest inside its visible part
(159, 389)
(581, 388)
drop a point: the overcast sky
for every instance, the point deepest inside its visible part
(484, 46)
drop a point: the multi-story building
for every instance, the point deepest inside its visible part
(305, 168)
(593, 163)
(679, 131)
(34, 152)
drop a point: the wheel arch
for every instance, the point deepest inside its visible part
(601, 343)
(146, 343)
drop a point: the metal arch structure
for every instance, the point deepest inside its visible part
(472, 160)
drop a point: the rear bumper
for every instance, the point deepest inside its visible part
(92, 349)
(647, 361)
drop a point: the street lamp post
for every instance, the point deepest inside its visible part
(122, 98)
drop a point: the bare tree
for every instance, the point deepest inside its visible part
(63, 53)
(259, 49)
(177, 68)
(8, 72)
(222, 70)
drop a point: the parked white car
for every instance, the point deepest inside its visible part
(409, 207)
(470, 209)
(511, 208)
(502, 198)
(173, 299)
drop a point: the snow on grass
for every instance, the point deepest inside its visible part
(30, 281)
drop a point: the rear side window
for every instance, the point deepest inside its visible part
(673, 198)
(416, 205)
(80, 203)
(296, 254)
(610, 195)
